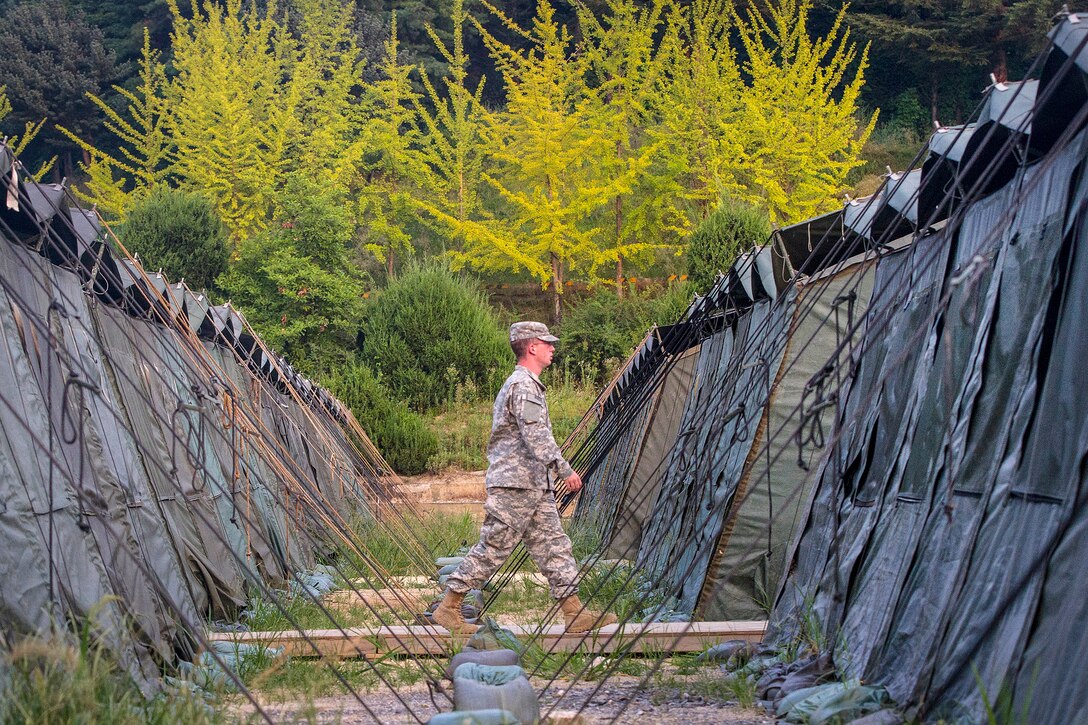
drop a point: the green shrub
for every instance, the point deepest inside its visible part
(598, 334)
(296, 285)
(431, 333)
(730, 229)
(179, 232)
(400, 434)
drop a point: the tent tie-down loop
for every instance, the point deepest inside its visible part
(71, 432)
(810, 431)
(199, 469)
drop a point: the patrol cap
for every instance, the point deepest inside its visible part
(531, 331)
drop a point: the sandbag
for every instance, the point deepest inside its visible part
(447, 569)
(482, 687)
(491, 657)
(798, 706)
(735, 650)
(474, 717)
(447, 560)
(851, 704)
(492, 636)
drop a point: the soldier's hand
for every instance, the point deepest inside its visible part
(574, 482)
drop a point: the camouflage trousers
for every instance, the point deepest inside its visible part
(513, 515)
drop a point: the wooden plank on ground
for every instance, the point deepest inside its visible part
(650, 638)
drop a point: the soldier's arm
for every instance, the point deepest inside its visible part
(527, 408)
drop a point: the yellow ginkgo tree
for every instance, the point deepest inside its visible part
(549, 145)
(799, 122)
(145, 151)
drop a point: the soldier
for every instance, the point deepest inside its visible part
(520, 502)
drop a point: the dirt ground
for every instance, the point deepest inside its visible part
(618, 700)
(449, 491)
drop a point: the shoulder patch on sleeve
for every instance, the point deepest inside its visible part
(532, 411)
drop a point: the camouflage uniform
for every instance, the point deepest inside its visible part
(522, 458)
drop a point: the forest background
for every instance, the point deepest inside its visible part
(349, 174)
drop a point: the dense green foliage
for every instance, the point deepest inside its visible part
(51, 57)
(296, 283)
(430, 331)
(180, 233)
(730, 229)
(599, 333)
(400, 434)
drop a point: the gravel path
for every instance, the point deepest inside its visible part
(619, 700)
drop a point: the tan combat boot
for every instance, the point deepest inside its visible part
(580, 619)
(448, 614)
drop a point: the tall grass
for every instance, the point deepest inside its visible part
(440, 533)
(55, 682)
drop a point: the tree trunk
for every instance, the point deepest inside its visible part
(389, 263)
(1001, 65)
(933, 101)
(619, 255)
(557, 289)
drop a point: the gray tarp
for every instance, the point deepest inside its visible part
(751, 555)
(934, 555)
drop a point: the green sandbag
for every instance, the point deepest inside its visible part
(474, 717)
(483, 687)
(798, 706)
(851, 704)
(493, 657)
(491, 636)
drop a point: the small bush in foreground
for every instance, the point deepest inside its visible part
(730, 229)
(431, 333)
(180, 232)
(602, 331)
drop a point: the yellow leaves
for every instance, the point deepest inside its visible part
(799, 113)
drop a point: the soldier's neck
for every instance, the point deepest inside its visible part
(533, 366)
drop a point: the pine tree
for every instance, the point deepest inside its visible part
(628, 71)
(550, 146)
(324, 86)
(145, 152)
(702, 91)
(454, 144)
(19, 143)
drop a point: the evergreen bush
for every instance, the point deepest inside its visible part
(296, 283)
(730, 229)
(598, 334)
(431, 334)
(180, 233)
(400, 434)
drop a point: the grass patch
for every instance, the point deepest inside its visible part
(52, 682)
(613, 587)
(440, 533)
(285, 613)
(581, 664)
(683, 673)
(301, 679)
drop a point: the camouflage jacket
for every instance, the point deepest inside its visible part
(522, 452)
